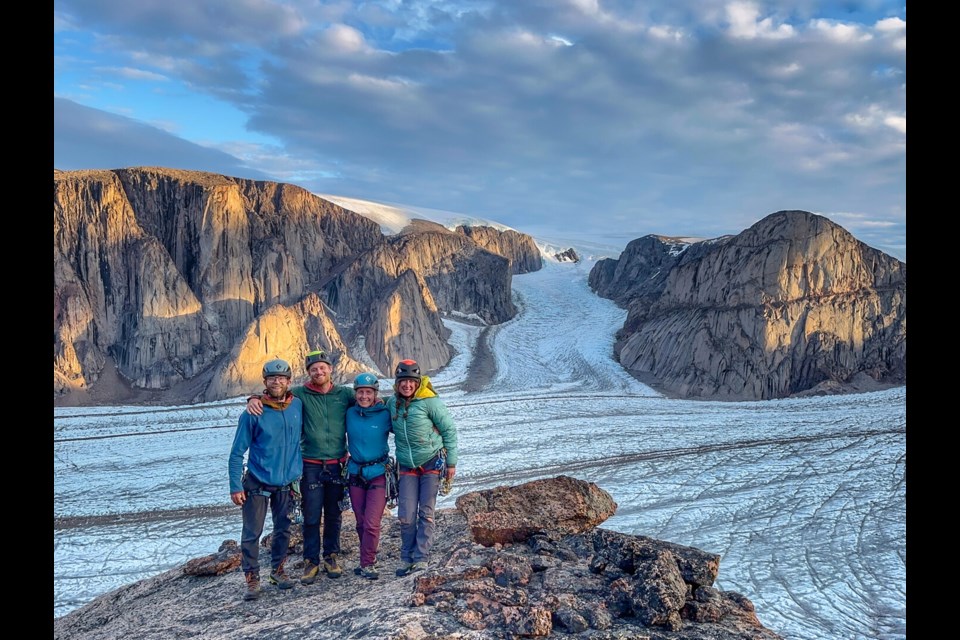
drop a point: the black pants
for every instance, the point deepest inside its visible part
(322, 490)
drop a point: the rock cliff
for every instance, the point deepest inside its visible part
(189, 280)
(510, 562)
(462, 275)
(518, 248)
(794, 304)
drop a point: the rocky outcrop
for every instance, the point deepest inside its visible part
(567, 255)
(790, 304)
(405, 322)
(190, 280)
(379, 300)
(518, 248)
(117, 292)
(640, 272)
(244, 245)
(462, 276)
(589, 583)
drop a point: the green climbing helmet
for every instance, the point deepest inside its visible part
(277, 367)
(366, 381)
(317, 356)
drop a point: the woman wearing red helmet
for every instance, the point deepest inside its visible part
(426, 446)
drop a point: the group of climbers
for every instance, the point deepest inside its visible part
(310, 442)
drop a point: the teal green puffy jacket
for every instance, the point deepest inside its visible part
(421, 427)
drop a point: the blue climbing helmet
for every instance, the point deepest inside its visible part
(366, 380)
(277, 367)
(317, 356)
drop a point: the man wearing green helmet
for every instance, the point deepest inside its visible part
(271, 441)
(323, 447)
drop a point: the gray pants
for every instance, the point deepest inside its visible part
(254, 513)
(416, 504)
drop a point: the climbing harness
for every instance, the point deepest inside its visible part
(391, 476)
(266, 490)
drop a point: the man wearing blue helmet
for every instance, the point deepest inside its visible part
(368, 428)
(272, 444)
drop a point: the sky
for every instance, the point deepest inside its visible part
(616, 119)
(804, 498)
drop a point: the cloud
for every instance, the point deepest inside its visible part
(87, 138)
(341, 39)
(891, 25)
(134, 74)
(840, 32)
(744, 22)
(682, 118)
(874, 116)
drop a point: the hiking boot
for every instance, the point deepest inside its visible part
(330, 566)
(357, 571)
(370, 572)
(252, 579)
(411, 567)
(310, 572)
(280, 578)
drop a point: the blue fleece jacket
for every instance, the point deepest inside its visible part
(273, 442)
(367, 439)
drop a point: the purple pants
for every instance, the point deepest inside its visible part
(368, 506)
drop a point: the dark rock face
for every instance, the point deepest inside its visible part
(567, 256)
(592, 583)
(641, 270)
(793, 304)
(463, 276)
(518, 248)
(190, 280)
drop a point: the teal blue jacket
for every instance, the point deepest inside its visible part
(421, 427)
(368, 431)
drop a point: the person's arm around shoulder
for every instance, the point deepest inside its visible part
(254, 406)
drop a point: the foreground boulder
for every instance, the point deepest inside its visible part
(592, 583)
(562, 504)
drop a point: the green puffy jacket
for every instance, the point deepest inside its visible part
(421, 427)
(324, 421)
